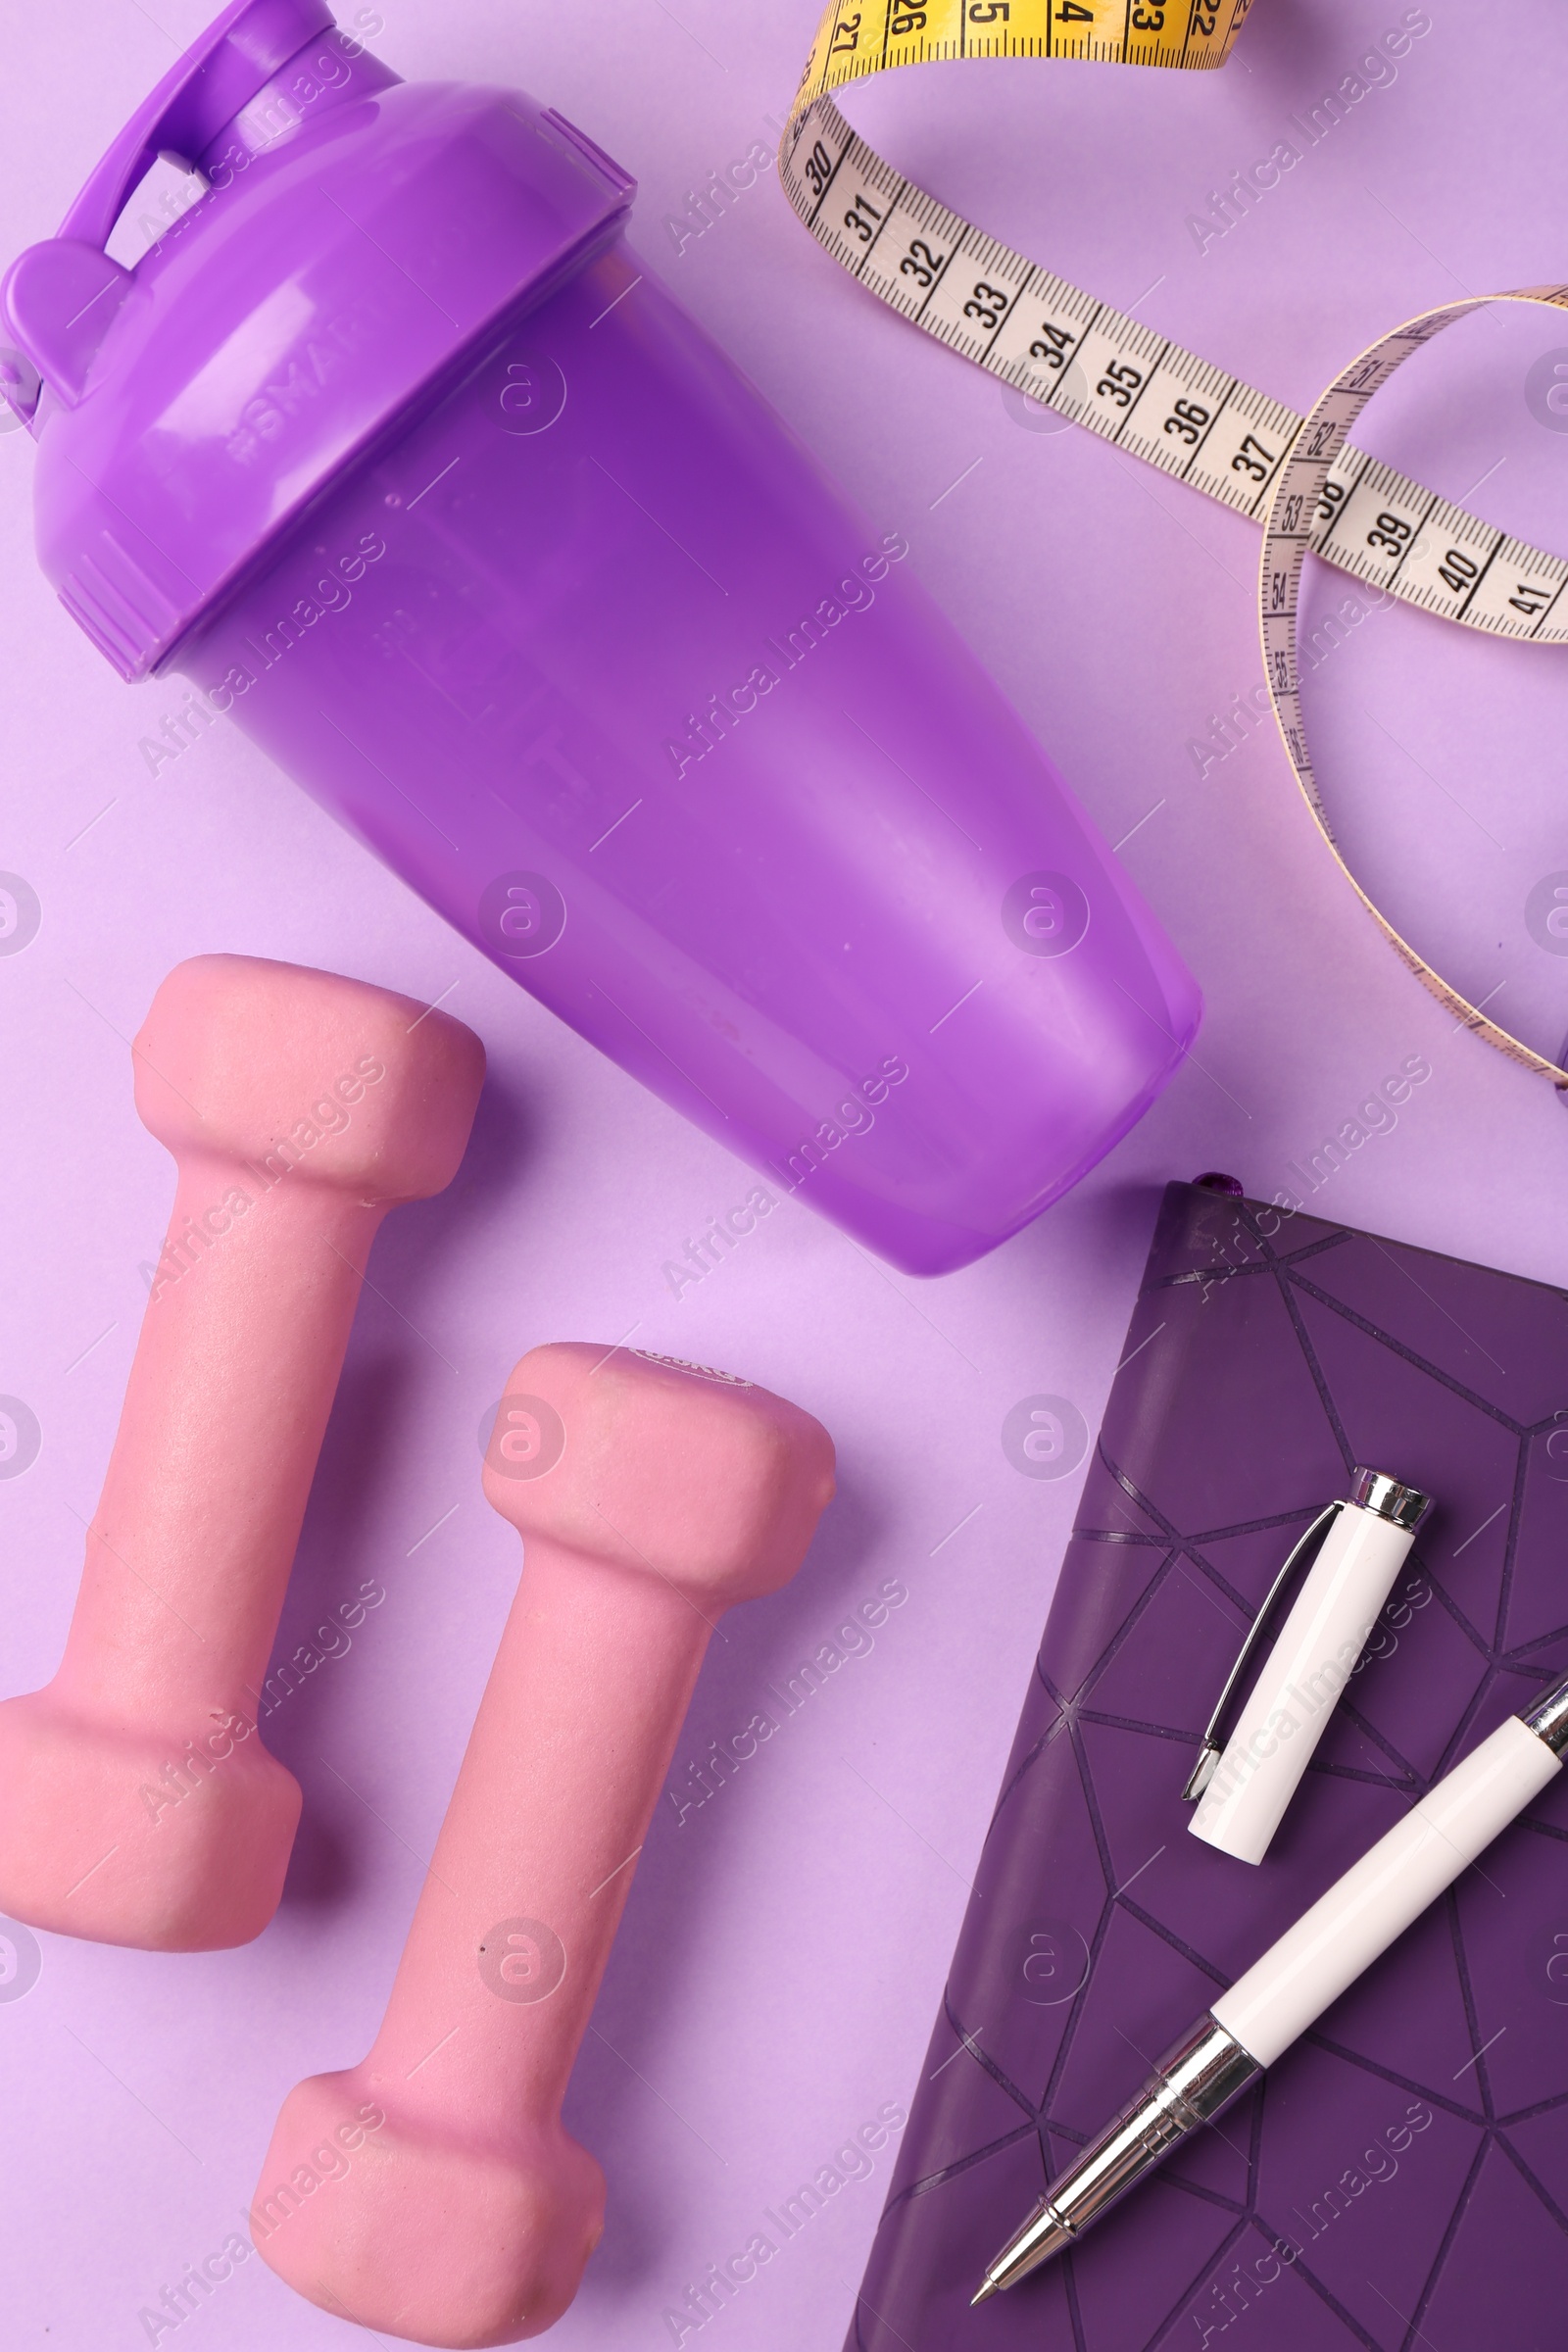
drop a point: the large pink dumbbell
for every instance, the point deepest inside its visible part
(137, 1803)
(431, 2191)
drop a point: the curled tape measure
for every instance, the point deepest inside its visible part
(1299, 475)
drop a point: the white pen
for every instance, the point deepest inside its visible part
(1243, 1792)
(1299, 1977)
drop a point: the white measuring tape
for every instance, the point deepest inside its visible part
(1299, 476)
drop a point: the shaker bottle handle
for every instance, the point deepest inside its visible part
(234, 58)
(61, 297)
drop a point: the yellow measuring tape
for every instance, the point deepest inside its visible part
(1299, 476)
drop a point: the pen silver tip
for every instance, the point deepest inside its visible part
(988, 2288)
(1043, 2235)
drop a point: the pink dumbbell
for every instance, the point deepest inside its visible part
(137, 1803)
(431, 2192)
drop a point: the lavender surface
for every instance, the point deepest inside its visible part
(788, 1936)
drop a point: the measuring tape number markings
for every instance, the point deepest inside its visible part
(1299, 476)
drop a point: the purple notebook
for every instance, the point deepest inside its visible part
(1399, 2180)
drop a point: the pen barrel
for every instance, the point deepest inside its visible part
(1300, 1681)
(1377, 1898)
(1194, 2081)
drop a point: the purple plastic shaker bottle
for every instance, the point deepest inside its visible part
(390, 448)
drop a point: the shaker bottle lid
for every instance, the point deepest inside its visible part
(357, 234)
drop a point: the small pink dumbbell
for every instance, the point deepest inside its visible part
(137, 1805)
(431, 2192)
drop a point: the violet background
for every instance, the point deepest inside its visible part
(785, 1945)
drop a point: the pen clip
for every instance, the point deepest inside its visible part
(1213, 1746)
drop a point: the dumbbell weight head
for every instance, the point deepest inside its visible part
(286, 1070)
(138, 1804)
(654, 1466)
(651, 1495)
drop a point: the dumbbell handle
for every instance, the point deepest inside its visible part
(189, 1550)
(431, 2191)
(571, 1744)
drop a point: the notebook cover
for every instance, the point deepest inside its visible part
(1399, 2178)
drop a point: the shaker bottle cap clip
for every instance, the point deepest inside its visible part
(358, 233)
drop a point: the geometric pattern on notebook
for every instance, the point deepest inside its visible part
(1399, 2178)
